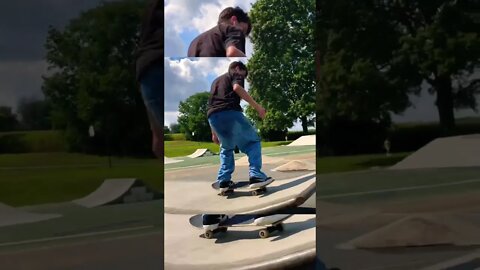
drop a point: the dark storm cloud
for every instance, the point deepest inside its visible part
(24, 25)
(23, 32)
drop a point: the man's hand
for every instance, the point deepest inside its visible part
(215, 138)
(261, 112)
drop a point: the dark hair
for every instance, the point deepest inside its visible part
(234, 65)
(241, 15)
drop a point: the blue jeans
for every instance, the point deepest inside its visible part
(233, 129)
(151, 87)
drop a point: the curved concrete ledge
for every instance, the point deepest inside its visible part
(240, 248)
(203, 199)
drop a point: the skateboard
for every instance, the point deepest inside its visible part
(270, 223)
(242, 185)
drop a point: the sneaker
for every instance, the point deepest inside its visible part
(211, 222)
(259, 182)
(226, 185)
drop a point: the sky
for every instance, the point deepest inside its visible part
(23, 32)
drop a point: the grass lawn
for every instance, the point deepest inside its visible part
(28, 179)
(185, 148)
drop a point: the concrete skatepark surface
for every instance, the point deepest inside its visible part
(203, 199)
(112, 191)
(240, 247)
(13, 216)
(113, 237)
(457, 151)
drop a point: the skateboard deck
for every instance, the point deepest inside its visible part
(242, 185)
(242, 221)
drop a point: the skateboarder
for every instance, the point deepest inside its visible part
(231, 128)
(149, 71)
(226, 39)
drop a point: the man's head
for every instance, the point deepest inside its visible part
(236, 17)
(238, 68)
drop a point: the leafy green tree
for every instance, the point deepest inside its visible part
(166, 130)
(282, 70)
(93, 80)
(8, 120)
(34, 114)
(193, 119)
(440, 44)
(175, 128)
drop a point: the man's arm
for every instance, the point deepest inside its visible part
(232, 51)
(246, 96)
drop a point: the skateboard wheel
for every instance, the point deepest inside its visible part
(264, 233)
(255, 193)
(208, 234)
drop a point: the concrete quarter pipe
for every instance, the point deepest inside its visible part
(114, 191)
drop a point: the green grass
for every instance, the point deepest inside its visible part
(185, 148)
(58, 177)
(355, 163)
(33, 141)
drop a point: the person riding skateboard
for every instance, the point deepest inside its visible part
(231, 128)
(226, 39)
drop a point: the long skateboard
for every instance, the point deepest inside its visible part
(269, 223)
(242, 185)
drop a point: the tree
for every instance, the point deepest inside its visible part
(166, 130)
(375, 54)
(281, 70)
(193, 119)
(175, 128)
(8, 120)
(34, 114)
(93, 82)
(441, 45)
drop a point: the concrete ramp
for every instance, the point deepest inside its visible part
(420, 230)
(170, 160)
(282, 193)
(117, 191)
(457, 151)
(304, 140)
(240, 247)
(14, 216)
(201, 153)
(295, 165)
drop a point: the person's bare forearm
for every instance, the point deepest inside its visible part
(232, 51)
(243, 94)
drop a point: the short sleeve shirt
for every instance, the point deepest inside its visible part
(214, 42)
(222, 97)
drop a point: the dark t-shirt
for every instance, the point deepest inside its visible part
(150, 45)
(214, 42)
(222, 97)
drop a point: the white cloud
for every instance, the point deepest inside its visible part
(194, 16)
